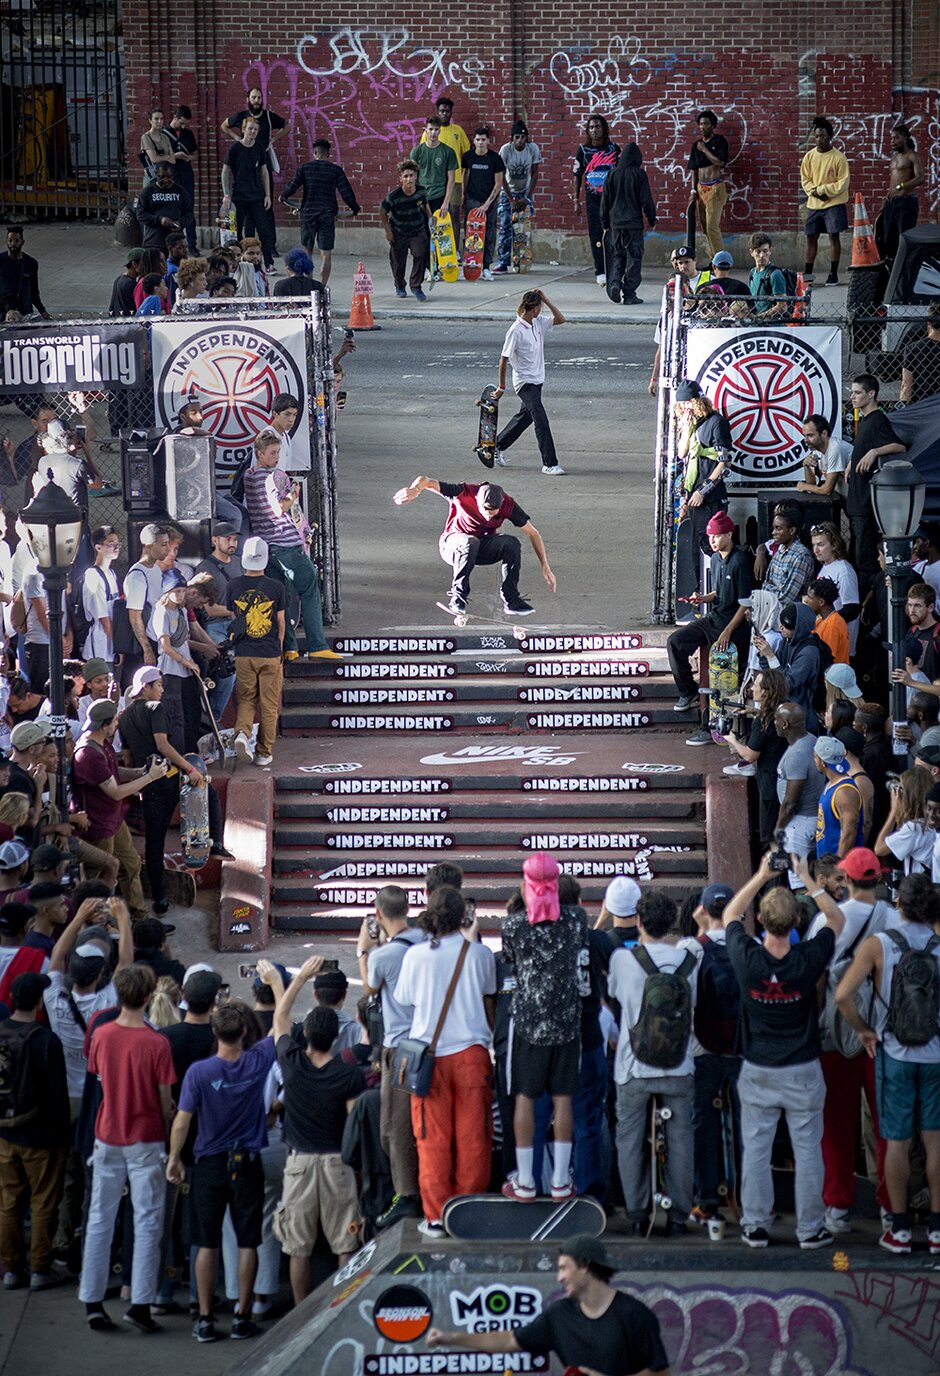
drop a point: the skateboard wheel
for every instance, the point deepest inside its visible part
(519, 632)
(718, 1103)
(665, 1114)
(460, 621)
(665, 1203)
(723, 1190)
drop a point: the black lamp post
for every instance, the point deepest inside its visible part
(54, 527)
(897, 495)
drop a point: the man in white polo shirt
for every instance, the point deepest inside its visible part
(524, 348)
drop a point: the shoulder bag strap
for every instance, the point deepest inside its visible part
(449, 995)
(76, 1011)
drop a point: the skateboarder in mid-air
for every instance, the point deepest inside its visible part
(476, 512)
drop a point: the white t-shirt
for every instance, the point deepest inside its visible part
(856, 914)
(930, 573)
(67, 471)
(935, 862)
(913, 844)
(846, 580)
(625, 984)
(425, 977)
(35, 589)
(69, 1032)
(835, 459)
(143, 583)
(524, 346)
(917, 936)
(99, 590)
(385, 964)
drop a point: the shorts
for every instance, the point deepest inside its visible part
(537, 1070)
(908, 1096)
(212, 1190)
(833, 221)
(319, 231)
(319, 1191)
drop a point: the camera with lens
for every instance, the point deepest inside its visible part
(224, 665)
(779, 860)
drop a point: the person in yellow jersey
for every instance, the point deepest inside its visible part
(456, 138)
(824, 173)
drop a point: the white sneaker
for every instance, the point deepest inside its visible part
(601, 280)
(837, 1221)
(743, 770)
(488, 276)
(262, 761)
(243, 750)
(556, 472)
(501, 460)
(432, 1228)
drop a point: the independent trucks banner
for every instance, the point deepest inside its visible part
(74, 360)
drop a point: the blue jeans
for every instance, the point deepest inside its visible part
(711, 1072)
(290, 566)
(504, 229)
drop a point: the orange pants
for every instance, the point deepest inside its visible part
(453, 1129)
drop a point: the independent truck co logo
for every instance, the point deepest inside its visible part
(767, 382)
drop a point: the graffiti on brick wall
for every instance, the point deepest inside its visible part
(356, 86)
(868, 136)
(607, 79)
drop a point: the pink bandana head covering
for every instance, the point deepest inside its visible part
(540, 888)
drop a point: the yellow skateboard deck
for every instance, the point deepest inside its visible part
(445, 245)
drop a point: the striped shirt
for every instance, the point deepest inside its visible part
(264, 490)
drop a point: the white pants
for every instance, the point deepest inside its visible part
(141, 1167)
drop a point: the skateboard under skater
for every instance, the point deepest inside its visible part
(444, 247)
(194, 816)
(659, 1155)
(723, 684)
(492, 1218)
(461, 618)
(473, 240)
(485, 448)
(521, 236)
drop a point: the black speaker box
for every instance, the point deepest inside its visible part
(141, 472)
(813, 511)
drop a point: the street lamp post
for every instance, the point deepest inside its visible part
(53, 528)
(897, 495)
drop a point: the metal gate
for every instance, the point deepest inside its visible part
(62, 148)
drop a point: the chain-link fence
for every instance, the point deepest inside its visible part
(41, 381)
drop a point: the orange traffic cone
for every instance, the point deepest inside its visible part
(864, 250)
(360, 314)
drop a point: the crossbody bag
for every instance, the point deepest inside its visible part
(413, 1064)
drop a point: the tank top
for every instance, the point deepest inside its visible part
(828, 824)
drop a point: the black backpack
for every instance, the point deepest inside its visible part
(81, 626)
(18, 1099)
(717, 1000)
(661, 1035)
(765, 287)
(914, 1005)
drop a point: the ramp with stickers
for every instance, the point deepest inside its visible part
(484, 748)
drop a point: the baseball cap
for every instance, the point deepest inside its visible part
(150, 933)
(930, 754)
(843, 676)
(224, 528)
(621, 896)
(101, 713)
(832, 753)
(683, 251)
(331, 979)
(147, 673)
(27, 989)
(583, 1247)
(861, 863)
(491, 496)
(258, 982)
(202, 986)
(853, 740)
(723, 260)
(46, 857)
(197, 967)
(149, 534)
(134, 256)
(688, 390)
(716, 897)
(27, 733)
(255, 554)
(12, 853)
(94, 668)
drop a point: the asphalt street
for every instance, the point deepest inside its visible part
(413, 388)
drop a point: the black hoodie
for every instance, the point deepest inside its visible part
(627, 197)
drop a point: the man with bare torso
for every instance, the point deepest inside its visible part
(901, 206)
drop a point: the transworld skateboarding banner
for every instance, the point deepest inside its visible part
(237, 369)
(767, 381)
(71, 360)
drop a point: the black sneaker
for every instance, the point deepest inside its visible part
(832, 280)
(221, 852)
(821, 1239)
(631, 301)
(138, 1316)
(675, 1227)
(243, 1327)
(456, 604)
(518, 607)
(97, 1319)
(755, 1237)
(402, 1206)
(205, 1331)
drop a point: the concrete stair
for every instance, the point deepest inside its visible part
(485, 748)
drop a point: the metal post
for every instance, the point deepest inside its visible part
(897, 566)
(55, 580)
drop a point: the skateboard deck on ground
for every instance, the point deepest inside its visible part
(723, 682)
(491, 1218)
(444, 247)
(728, 1188)
(473, 238)
(521, 237)
(659, 1154)
(194, 817)
(485, 447)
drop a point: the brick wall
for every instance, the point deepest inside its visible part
(367, 83)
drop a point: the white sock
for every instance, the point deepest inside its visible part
(562, 1164)
(524, 1159)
